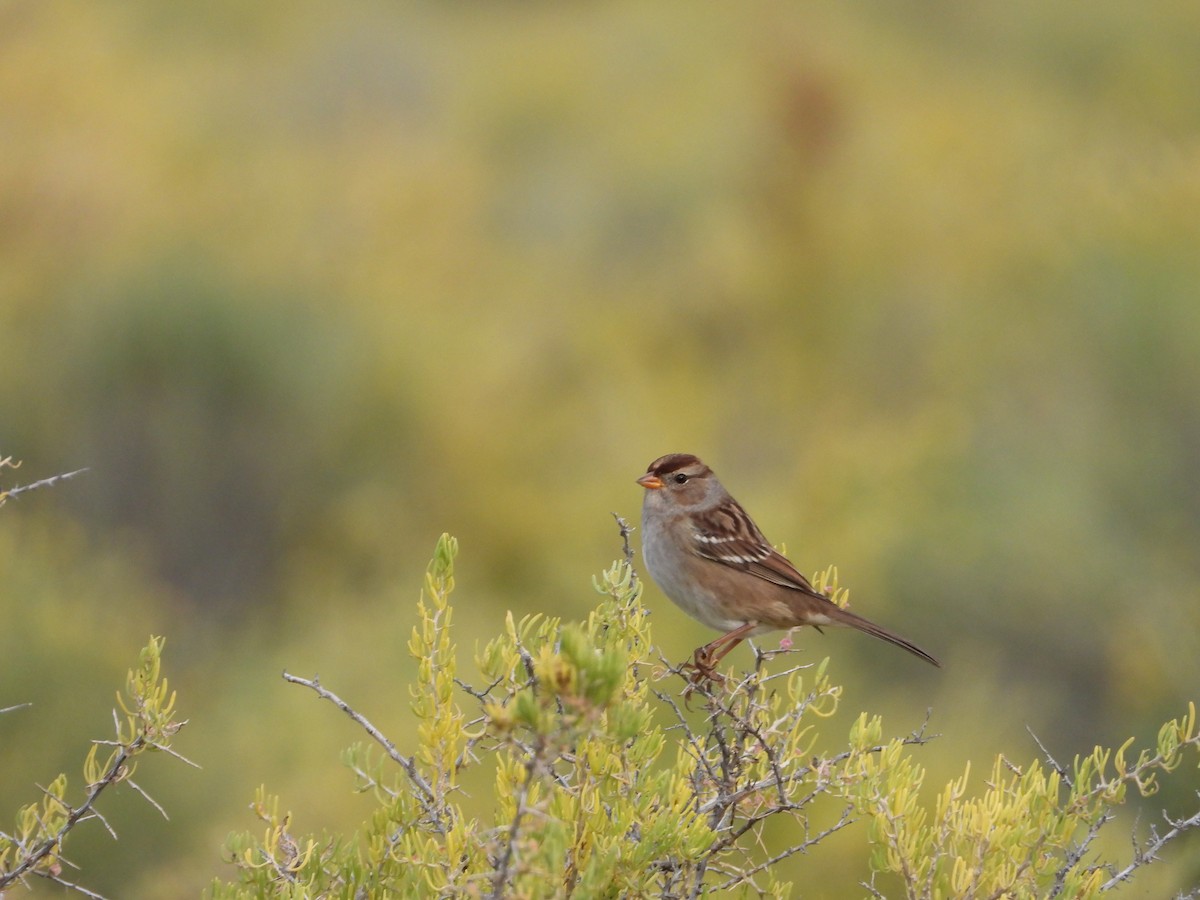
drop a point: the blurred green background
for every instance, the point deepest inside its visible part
(307, 284)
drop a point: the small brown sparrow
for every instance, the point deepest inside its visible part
(711, 560)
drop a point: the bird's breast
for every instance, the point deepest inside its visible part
(680, 576)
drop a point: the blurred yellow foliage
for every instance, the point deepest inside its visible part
(304, 286)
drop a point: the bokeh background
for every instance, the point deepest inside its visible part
(307, 284)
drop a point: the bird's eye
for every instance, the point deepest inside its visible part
(680, 478)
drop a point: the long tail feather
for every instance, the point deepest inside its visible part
(845, 617)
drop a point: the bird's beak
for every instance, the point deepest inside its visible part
(652, 482)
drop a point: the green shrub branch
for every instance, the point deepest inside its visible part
(606, 783)
(146, 723)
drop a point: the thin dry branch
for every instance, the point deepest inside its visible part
(426, 796)
(116, 771)
(626, 548)
(1149, 852)
(45, 482)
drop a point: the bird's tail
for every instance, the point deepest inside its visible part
(845, 617)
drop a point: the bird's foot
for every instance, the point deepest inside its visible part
(701, 673)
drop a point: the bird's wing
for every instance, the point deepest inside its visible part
(735, 541)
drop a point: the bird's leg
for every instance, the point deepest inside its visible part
(705, 659)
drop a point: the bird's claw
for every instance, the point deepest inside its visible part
(700, 673)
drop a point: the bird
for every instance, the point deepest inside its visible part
(710, 559)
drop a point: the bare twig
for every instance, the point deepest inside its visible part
(626, 548)
(870, 886)
(428, 799)
(77, 888)
(843, 820)
(1149, 852)
(141, 790)
(116, 771)
(484, 695)
(1050, 760)
(45, 482)
(1075, 855)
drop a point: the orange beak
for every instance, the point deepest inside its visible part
(652, 482)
